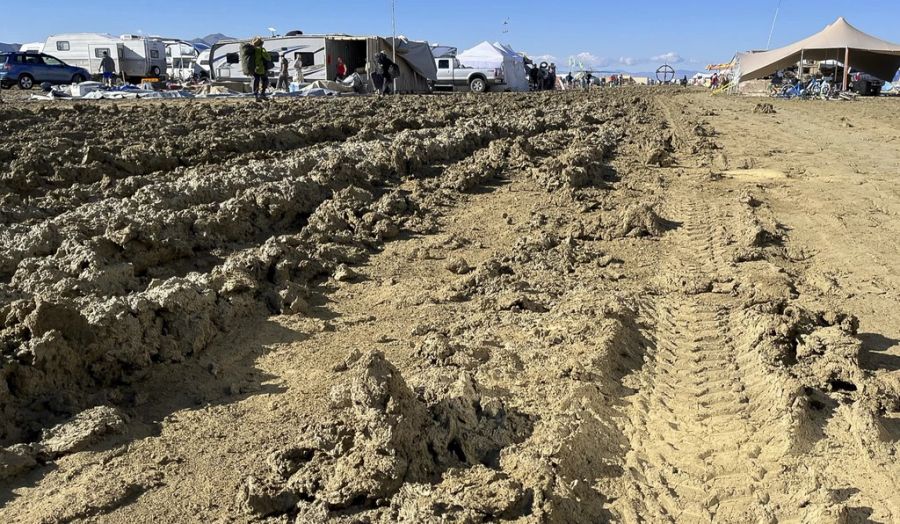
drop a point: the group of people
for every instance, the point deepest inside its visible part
(541, 77)
(383, 76)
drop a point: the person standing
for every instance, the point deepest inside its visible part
(107, 69)
(385, 68)
(341, 69)
(283, 76)
(714, 81)
(262, 62)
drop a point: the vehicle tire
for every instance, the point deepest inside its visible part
(478, 85)
(26, 82)
(78, 78)
(154, 72)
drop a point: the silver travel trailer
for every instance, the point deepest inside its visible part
(203, 63)
(182, 59)
(319, 54)
(136, 56)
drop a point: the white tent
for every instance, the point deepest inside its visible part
(514, 68)
(839, 41)
(487, 55)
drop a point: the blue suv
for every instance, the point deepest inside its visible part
(28, 69)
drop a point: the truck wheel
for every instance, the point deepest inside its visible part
(478, 85)
(154, 71)
(77, 79)
(26, 82)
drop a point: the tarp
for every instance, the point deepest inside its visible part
(443, 51)
(491, 56)
(417, 55)
(872, 55)
(514, 68)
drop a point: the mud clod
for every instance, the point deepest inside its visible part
(83, 430)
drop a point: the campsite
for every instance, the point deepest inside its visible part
(475, 286)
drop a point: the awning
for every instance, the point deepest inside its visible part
(867, 53)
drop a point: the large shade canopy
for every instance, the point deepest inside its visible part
(867, 53)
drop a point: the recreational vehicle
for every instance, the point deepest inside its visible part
(319, 54)
(182, 59)
(203, 63)
(136, 57)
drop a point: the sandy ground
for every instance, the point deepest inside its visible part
(633, 305)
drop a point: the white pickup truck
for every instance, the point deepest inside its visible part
(451, 75)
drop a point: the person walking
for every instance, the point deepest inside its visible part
(385, 69)
(262, 62)
(341, 69)
(283, 77)
(107, 69)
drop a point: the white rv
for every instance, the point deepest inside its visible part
(225, 58)
(182, 59)
(203, 64)
(319, 54)
(136, 57)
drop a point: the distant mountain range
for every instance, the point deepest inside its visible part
(211, 40)
(8, 48)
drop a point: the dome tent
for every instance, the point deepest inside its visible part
(488, 56)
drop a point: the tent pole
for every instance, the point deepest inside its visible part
(394, 41)
(800, 67)
(846, 68)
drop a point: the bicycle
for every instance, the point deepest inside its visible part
(817, 88)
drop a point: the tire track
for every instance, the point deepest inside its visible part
(707, 424)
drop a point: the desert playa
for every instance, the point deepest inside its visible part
(634, 305)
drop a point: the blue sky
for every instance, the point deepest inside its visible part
(629, 35)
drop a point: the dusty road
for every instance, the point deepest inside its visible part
(631, 306)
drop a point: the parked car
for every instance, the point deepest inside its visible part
(28, 69)
(865, 84)
(452, 75)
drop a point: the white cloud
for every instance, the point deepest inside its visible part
(669, 58)
(589, 58)
(627, 60)
(543, 58)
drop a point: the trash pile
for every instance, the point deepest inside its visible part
(353, 84)
(97, 91)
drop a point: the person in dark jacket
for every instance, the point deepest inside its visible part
(385, 69)
(108, 69)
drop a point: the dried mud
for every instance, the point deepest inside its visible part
(541, 308)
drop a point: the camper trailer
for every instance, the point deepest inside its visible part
(203, 64)
(136, 57)
(319, 54)
(182, 59)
